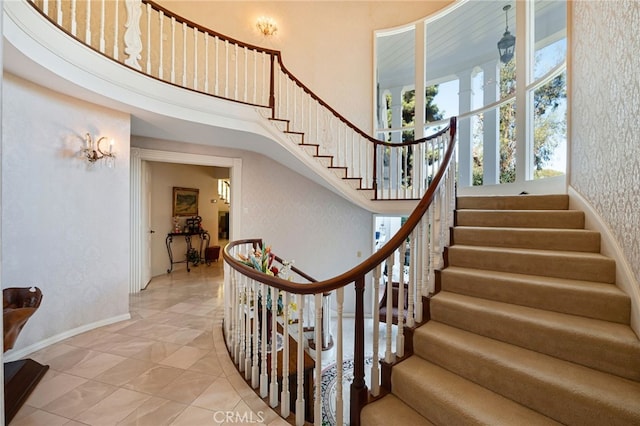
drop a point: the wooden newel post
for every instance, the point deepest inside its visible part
(272, 88)
(359, 391)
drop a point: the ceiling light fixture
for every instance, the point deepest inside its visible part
(507, 43)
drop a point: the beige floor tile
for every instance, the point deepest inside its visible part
(187, 387)
(203, 341)
(195, 416)
(179, 336)
(167, 365)
(52, 386)
(154, 379)
(43, 356)
(157, 351)
(220, 396)
(71, 358)
(129, 346)
(113, 408)
(24, 411)
(86, 340)
(40, 418)
(154, 412)
(184, 357)
(207, 365)
(95, 365)
(80, 399)
(124, 372)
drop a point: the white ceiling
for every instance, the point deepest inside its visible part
(460, 40)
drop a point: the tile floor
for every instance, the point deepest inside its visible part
(168, 365)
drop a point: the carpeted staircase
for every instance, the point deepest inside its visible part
(529, 327)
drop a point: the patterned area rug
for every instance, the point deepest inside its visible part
(329, 389)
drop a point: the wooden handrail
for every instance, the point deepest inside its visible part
(181, 19)
(368, 264)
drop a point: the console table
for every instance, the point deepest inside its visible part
(204, 243)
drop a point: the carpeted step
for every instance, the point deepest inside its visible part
(565, 219)
(391, 411)
(535, 238)
(567, 392)
(514, 202)
(448, 399)
(585, 298)
(606, 346)
(559, 264)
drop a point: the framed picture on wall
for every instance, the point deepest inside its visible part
(185, 201)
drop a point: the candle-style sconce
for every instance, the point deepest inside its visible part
(93, 152)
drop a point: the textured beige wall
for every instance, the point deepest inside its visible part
(328, 45)
(65, 225)
(605, 96)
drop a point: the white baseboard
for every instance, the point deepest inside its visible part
(12, 355)
(625, 278)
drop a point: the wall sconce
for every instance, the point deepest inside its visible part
(93, 152)
(266, 26)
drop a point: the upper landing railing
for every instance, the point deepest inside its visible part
(162, 45)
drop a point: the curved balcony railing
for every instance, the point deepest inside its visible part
(152, 40)
(409, 261)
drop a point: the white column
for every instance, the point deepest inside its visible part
(491, 124)
(420, 114)
(465, 137)
(396, 113)
(395, 160)
(524, 115)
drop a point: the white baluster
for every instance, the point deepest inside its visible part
(317, 402)
(59, 12)
(226, 71)
(264, 377)
(236, 317)
(149, 38)
(132, 34)
(45, 6)
(116, 50)
(246, 75)
(173, 49)
(255, 76)
(250, 300)
(235, 74)
(412, 277)
(300, 361)
(161, 47)
(285, 408)
(242, 290)
(255, 372)
(206, 62)
(400, 336)
(195, 58)
(102, 41)
(375, 372)
(339, 358)
(273, 390)
(217, 42)
(265, 75)
(74, 19)
(87, 33)
(184, 54)
(388, 356)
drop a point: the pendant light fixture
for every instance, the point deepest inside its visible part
(507, 43)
